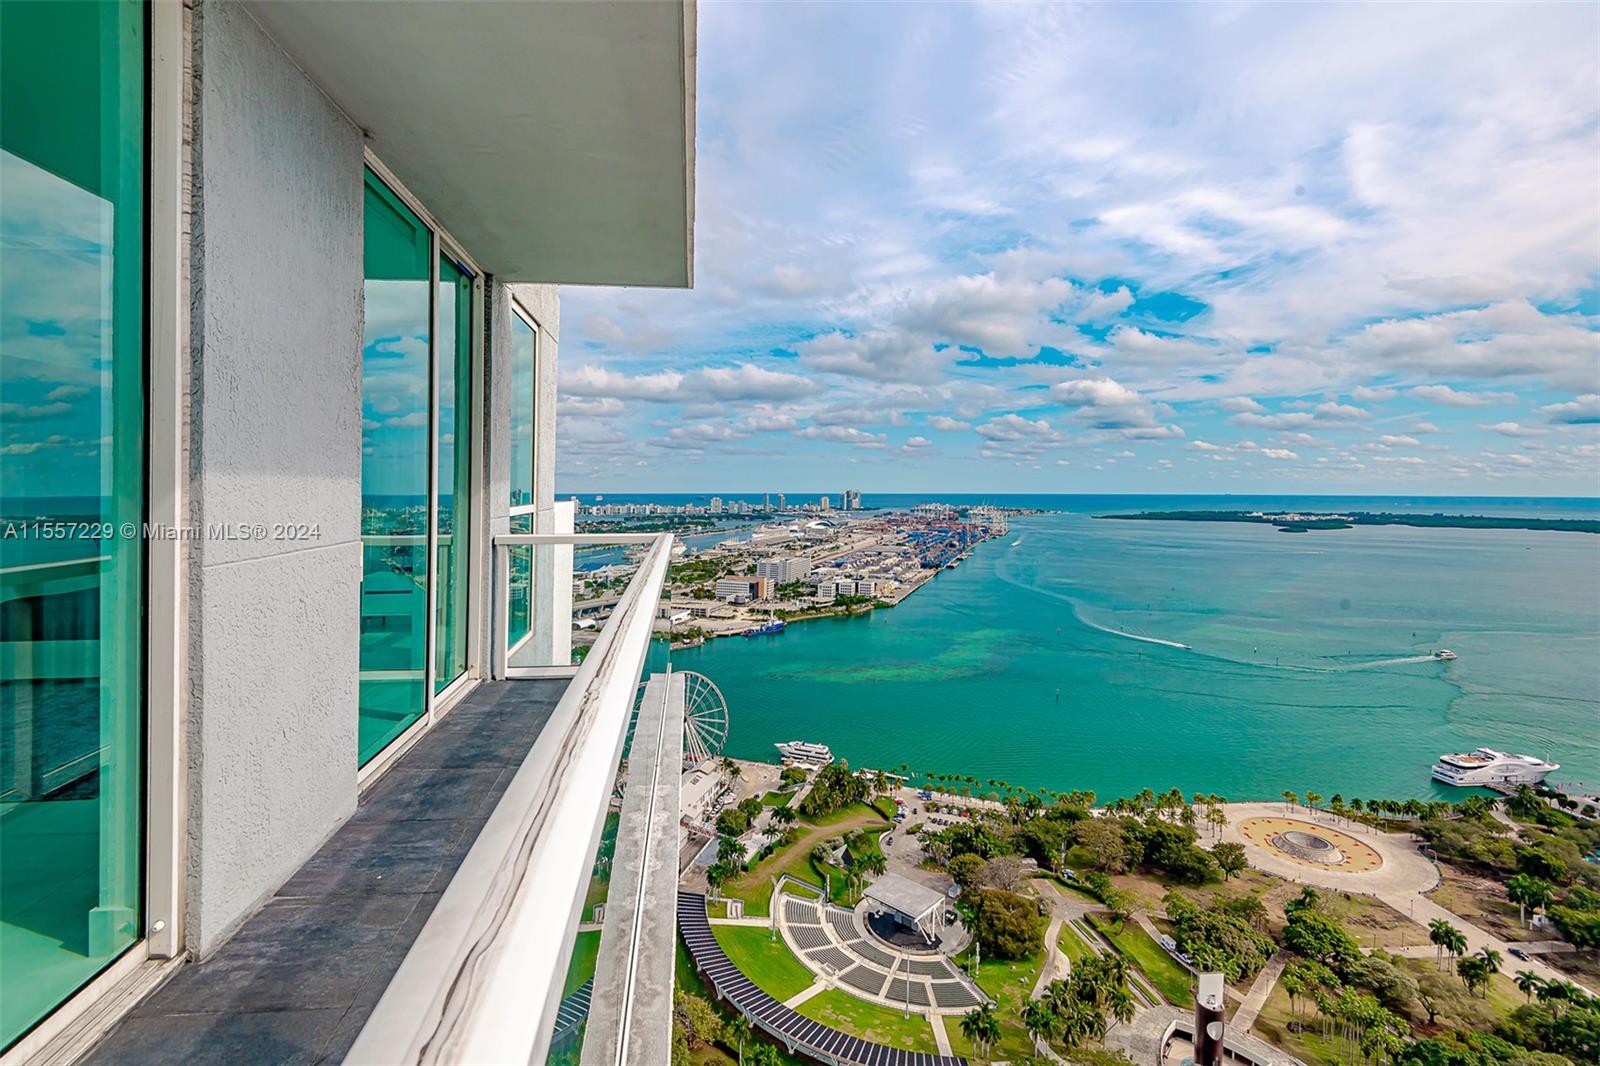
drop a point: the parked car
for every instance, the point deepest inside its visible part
(1519, 953)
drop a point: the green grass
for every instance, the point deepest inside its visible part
(777, 799)
(755, 885)
(1072, 945)
(585, 949)
(1010, 984)
(685, 979)
(800, 891)
(1161, 969)
(869, 1021)
(767, 962)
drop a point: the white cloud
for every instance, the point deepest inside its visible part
(1241, 405)
(946, 424)
(1513, 429)
(1585, 410)
(1444, 394)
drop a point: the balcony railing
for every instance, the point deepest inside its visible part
(485, 979)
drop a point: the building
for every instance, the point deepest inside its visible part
(824, 504)
(716, 505)
(784, 569)
(743, 588)
(281, 292)
(852, 500)
(780, 502)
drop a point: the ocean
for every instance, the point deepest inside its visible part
(1051, 657)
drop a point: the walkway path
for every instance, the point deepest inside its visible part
(941, 1039)
(819, 985)
(1426, 910)
(1256, 998)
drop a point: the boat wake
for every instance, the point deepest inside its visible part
(1017, 543)
(1404, 660)
(1078, 613)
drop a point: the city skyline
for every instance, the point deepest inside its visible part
(1177, 249)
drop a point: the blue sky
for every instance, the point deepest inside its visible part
(1211, 247)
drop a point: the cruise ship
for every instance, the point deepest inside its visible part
(803, 751)
(1487, 768)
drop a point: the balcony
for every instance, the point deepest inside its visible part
(454, 917)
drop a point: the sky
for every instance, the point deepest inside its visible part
(1134, 247)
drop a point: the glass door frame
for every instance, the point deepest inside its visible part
(440, 243)
(529, 510)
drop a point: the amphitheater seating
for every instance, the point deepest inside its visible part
(844, 923)
(871, 952)
(831, 956)
(807, 937)
(865, 978)
(953, 994)
(817, 1040)
(935, 967)
(797, 912)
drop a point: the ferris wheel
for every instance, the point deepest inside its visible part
(705, 718)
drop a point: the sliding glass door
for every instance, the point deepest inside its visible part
(72, 100)
(416, 484)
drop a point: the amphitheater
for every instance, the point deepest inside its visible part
(834, 942)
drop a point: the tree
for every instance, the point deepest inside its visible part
(1491, 962)
(738, 1029)
(964, 870)
(1474, 973)
(1290, 798)
(1527, 981)
(1104, 837)
(765, 1055)
(1313, 799)
(1006, 925)
(1319, 936)
(1439, 935)
(981, 1027)
(1039, 1020)
(1231, 858)
(730, 852)
(784, 815)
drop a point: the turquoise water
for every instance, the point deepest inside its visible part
(1039, 661)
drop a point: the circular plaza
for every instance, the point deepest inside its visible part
(1311, 847)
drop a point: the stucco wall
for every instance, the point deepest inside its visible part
(276, 283)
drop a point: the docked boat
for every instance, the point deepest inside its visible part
(1487, 768)
(767, 628)
(805, 752)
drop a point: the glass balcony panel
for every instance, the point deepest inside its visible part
(452, 503)
(71, 479)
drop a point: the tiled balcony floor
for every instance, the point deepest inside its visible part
(297, 982)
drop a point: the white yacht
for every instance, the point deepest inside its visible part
(1444, 654)
(1486, 768)
(805, 752)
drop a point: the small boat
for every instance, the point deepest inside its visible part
(768, 628)
(1444, 654)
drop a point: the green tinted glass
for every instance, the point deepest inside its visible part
(71, 476)
(524, 352)
(520, 592)
(452, 506)
(395, 453)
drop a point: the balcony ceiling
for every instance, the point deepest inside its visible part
(555, 141)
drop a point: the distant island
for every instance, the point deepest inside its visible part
(1305, 522)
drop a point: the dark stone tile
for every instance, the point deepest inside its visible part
(326, 920)
(274, 975)
(405, 794)
(490, 739)
(290, 1038)
(394, 858)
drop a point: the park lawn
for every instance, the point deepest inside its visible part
(1072, 945)
(800, 891)
(754, 886)
(585, 950)
(870, 1021)
(686, 980)
(1065, 886)
(777, 799)
(767, 962)
(1160, 969)
(1009, 982)
(855, 814)
(1483, 903)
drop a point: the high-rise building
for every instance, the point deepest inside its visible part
(852, 500)
(211, 720)
(716, 505)
(781, 505)
(824, 504)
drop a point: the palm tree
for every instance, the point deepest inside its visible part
(1038, 1019)
(1528, 983)
(1458, 943)
(981, 1027)
(1290, 798)
(765, 1055)
(1312, 799)
(739, 1032)
(1491, 960)
(1439, 935)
